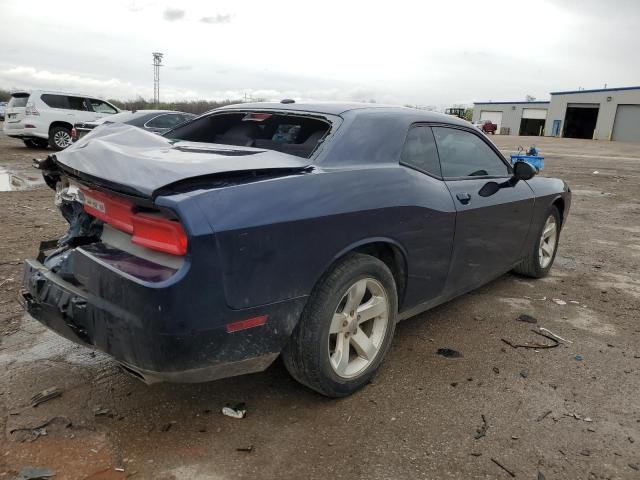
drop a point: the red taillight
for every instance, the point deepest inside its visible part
(147, 230)
(159, 234)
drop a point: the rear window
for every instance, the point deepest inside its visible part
(18, 100)
(292, 134)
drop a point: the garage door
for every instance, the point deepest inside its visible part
(495, 117)
(626, 127)
(535, 113)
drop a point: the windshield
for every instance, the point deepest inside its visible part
(283, 132)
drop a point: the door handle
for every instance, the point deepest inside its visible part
(463, 197)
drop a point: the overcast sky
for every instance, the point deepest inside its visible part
(407, 52)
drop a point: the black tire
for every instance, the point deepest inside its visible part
(54, 135)
(531, 265)
(36, 142)
(306, 356)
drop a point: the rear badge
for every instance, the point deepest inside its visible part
(95, 204)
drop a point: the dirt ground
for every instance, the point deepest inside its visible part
(566, 412)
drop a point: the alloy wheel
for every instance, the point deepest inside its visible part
(62, 139)
(548, 242)
(358, 327)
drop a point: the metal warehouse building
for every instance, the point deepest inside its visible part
(601, 114)
(513, 118)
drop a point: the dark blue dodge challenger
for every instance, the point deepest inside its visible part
(300, 230)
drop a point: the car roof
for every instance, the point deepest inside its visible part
(339, 108)
(53, 92)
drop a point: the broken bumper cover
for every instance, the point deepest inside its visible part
(184, 356)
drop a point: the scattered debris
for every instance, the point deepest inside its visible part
(496, 370)
(33, 433)
(588, 420)
(237, 411)
(596, 172)
(248, 449)
(527, 318)
(482, 429)
(45, 396)
(454, 384)
(558, 301)
(511, 474)
(35, 473)
(575, 302)
(119, 469)
(167, 426)
(586, 452)
(449, 353)
(99, 411)
(579, 358)
(515, 437)
(524, 373)
(544, 415)
(6, 280)
(631, 440)
(476, 454)
(554, 335)
(634, 466)
(536, 346)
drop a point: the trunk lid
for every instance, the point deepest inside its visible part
(127, 159)
(14, 114)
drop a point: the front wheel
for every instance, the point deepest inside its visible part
(539, 262)
(346, 327)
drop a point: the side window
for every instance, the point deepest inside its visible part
(99, 106)
(165, 121)
(420, 151)
(76, 103)
(463, 154)
(55, 101)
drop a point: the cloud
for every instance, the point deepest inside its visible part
(173, 14)
(216, 19)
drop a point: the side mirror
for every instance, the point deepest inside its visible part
(523, 171)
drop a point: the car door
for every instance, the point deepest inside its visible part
(490, 230)
(101, 108)
(433, 222)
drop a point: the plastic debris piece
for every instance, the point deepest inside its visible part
(587, 419)
(482, 429)
(575, 302)
(237, 411)
(579, 357)
(534, 345)
(449, 353)
(554, 335)
(45, 396)
(527, 318)
(35, 473)
(524, 373)
(596, 172)
(248, 449)
(496, 370)
(119, 469)
(99, 411)
(40, 430)
(558, 301)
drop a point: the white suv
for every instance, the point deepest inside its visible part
(42, 118)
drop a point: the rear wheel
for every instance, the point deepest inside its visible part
(346, 327)
(35, 142)
(539, 262)
(59, 138)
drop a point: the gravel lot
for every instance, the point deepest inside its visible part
(566, 412)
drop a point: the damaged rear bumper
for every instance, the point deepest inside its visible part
(193, 351)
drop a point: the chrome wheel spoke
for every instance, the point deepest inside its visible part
(354, 296)
(363, 345)
(548, 242)
(549, 230)
(546, 249)
(337, 323)
(375, 307)
(340, 357)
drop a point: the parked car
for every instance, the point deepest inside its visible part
(3, 108)
(156, 121)
(42, 118)
(264, 229)
(486, 126)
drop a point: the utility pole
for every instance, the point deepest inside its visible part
(157, 63)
